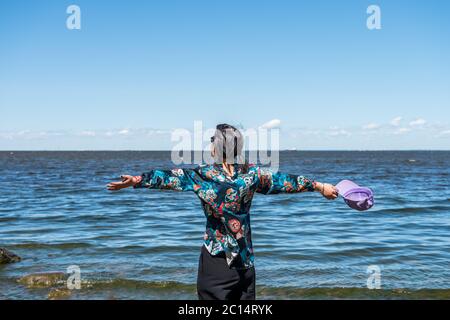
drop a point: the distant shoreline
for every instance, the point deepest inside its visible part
(284, 150)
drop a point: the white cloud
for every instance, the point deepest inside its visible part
(309, 136)
(312, 132)
(371, 126)
(339, 132)
(272, 124)
(402, 131)
(124, 132)
(396, 121)
(30, 135)
(87, 133)
(418, 122)
(444, 133)
(5, 135)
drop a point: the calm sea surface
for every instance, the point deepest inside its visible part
(144, 244)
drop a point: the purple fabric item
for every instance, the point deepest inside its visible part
(356, 197)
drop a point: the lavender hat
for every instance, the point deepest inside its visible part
(356, 197)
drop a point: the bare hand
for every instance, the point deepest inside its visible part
(329, 191)
(127, 181)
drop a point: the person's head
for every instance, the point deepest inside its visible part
(226, 144)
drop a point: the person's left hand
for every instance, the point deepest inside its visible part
(329, 191)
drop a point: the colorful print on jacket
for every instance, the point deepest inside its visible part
(226, 201)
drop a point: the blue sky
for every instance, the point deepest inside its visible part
(138, 69)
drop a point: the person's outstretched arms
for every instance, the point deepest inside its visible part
(176, 179)
(271, 182)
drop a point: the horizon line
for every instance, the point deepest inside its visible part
(164, 150)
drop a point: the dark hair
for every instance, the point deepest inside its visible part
(231, 141)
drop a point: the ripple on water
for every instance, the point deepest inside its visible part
(317, 243)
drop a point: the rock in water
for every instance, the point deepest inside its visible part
(43, 280)
(7, 256)
(59, 293)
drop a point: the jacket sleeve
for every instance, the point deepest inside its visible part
(175, 179)
(271, 182)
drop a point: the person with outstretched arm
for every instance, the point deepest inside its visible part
(226, 188)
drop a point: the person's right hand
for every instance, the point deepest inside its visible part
(127, 181)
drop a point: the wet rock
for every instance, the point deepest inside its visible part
(7, 256)
(43, 280)
(59, 293)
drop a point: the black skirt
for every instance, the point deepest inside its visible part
(217, 281)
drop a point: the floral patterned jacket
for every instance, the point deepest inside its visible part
(226, 201)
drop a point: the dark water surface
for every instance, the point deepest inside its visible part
(55, 212)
